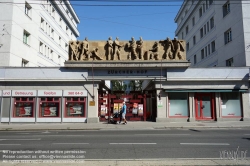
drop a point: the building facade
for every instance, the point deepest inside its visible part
(36, 33)
(216, 32)
(79, 94)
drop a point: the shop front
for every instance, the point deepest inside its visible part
(74, 106)
(23, 109)
(204, 106)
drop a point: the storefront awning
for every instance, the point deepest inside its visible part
(206, 90)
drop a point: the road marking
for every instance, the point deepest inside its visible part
(204, 143)
(132, 143)
(20, 139)
(58, 135)
(9, 144)
(160, 134)
(71, 143)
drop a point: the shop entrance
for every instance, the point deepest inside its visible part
(136, 103)
(204, 106)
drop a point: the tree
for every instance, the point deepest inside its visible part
(118, 85)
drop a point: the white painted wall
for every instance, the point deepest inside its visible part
(14, 21)
(237, 20)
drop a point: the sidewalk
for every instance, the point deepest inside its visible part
(130, 126)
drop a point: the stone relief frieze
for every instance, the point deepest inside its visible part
(116, 50)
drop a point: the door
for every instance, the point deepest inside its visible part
(204, 106)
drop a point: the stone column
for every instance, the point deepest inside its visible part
(92, 111)
(217, 106)
(161, 109)
(246, 105)
(191, 107)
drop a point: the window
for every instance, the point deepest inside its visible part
(60, 41)
(200, 12)
(26, 37)
(231, 104)
(67, 29)
(66, 46)
(51, 54)
(59, 59)
(230, 62)
(207, 26)
(213, 46)
(208, 49)
(27, 9)
(203, 7)
(205, 29)
(178, 104)
(212, 23)
(182, 35)
(194, 59)
(41, 47)
(187, 46)
(52, 33)
(186, 30)
(24, 63)
(53, 12)
(193, 21)
(60, 22)
(228, 36)
(194, 40)
(202, 54)
(42, 24)
(201, 32)
(211, 2)
(226, 8)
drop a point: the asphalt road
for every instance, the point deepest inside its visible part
(125, 144)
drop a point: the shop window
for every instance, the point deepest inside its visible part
(178, 104)
(49, 107)
(75, 107)
(23, 107)
(231, 104)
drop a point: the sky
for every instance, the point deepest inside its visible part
(150, 19)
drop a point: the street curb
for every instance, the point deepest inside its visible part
(120, 128)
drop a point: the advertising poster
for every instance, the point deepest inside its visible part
(24, 111)
(116, 108)
(135, 108)
(140, 109)
(50, 111)
(120, 106)
(76, 109)
(103, 110)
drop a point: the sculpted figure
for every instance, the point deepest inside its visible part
(169, 49)
(109, 48)
(132, 47)
(74, 50)
(140, 48)
(117, 48)
(154, 54)
(95, 54)
(85, 49)
(178, 47)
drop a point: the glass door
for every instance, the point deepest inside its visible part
(204, 106)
